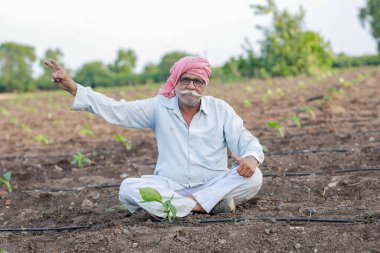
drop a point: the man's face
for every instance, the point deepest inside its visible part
(190, 89)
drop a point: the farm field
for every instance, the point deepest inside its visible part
(328, 169)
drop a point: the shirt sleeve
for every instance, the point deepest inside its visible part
(135, 114)
(239, 139)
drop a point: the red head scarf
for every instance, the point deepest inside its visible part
(192, 65)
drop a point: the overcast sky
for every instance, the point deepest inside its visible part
(87, 30)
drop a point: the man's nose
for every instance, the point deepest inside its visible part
(191, 85)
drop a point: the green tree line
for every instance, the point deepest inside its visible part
(288, 49)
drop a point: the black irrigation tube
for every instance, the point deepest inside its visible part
(22, 229)
(272, 219)
(302, 174)
(285, 174)
(195, 222)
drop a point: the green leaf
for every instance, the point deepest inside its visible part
(7, 176)
(173, 211)
(149, 194)
(273, 124)
(119, 138)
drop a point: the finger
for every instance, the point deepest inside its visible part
(56, 65)
(240, 168)
(49, 65)
(243, 172)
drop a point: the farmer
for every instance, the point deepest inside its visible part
(193, 132)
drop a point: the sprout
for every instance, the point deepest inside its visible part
(308, 109)
(42, 138)
(80, 160)
(6, 181)
(296, 120)
(85, 130)
(280, 129)
(120, 138)
(247, 103)
(149, 194)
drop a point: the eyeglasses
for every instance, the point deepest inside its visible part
(187, 81)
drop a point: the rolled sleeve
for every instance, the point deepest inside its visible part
(135, 114)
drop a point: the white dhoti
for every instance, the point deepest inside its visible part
(230, 184)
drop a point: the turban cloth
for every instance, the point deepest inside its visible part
(190, 64)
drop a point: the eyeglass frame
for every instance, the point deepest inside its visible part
(192, 80)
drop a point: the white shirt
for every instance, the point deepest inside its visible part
(188, 155)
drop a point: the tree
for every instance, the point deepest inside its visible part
(94, 74)
(287, 49)
(371, 14)
(44, 80)
(125, 62)
(150, 74)
(16, 63)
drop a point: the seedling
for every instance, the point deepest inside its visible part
(25, 127)
(296, 120)
(42, 138)
(85, 130)
(5, 112)
(149, 194)
(6, 181)
(249, 89)
(120, 138)
(308, 109)
(80, 160)
(247, 103)
(346, 84)
(280, 129)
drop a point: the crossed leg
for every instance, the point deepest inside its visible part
(201, 198)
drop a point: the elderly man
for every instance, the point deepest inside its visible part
(193, 133)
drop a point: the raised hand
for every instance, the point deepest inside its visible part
(60, 77)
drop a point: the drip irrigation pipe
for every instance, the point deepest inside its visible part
(222, 220)
(285, 174)
(69, 228)
(272, 219)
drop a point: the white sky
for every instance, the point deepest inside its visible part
(87, 30)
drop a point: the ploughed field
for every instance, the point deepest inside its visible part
(325, 173)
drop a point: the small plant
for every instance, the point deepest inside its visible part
(42, 138)
(280, 129)
(80, 160)
(25, 127)
(5, 112)
(346, 84)
(149, 194)
(85, 130)
(247, 103)
(6, 181)
(308, 109)
(120, 138)
(296, 120)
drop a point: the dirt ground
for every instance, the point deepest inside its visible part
(341, 141)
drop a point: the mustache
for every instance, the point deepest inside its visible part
(191, 92)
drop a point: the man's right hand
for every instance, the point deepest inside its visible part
(61, 78)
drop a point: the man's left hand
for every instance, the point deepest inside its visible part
(247, 166)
